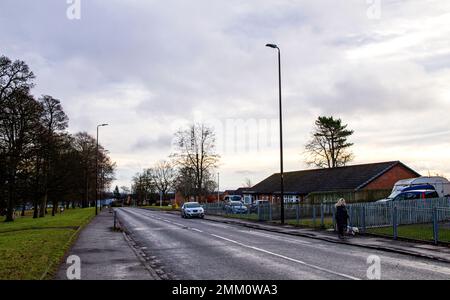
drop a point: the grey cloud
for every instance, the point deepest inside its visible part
(209, 56)
(161, 143)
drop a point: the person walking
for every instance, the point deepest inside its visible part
(341, 217)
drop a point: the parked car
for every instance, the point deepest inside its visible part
(191, 210)
(232, 198)
(258, 203)
(236, 207)
(413, 195)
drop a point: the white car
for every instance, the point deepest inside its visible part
(192, 210)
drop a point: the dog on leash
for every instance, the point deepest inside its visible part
(352, 230)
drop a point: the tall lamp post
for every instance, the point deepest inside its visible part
(96, 172)
(281, 133)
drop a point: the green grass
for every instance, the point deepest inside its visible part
(416, 232)
(253, 217)
(32, 248)
(328, 222)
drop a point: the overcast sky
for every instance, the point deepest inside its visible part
(149, 67)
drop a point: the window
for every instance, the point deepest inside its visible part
(431, 195)
(413, 196)
(400, 197)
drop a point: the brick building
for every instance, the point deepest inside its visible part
(358, 183)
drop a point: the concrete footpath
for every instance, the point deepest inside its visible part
(106, 254)
(423, 250)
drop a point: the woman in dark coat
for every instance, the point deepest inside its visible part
(341, 217)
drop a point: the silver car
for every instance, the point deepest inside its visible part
(192, 210)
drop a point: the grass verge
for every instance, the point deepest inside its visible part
(423, 232)
(31, 249)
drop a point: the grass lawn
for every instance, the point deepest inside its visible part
(253, 217)
(418, 232)
(328, 222)
(32, 248)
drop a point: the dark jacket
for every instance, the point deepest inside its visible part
(341, 215)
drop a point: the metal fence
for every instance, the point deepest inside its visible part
(424, 219)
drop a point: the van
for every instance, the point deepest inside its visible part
(440, 184)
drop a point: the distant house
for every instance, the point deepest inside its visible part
(179, 199)
(357, 183)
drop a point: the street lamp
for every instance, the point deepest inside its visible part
(96, 172)
(281, 133)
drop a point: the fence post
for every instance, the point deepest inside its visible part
(394, 222)
(297, 212)
(314, 215)
(435, 226)
(351, 217)
(363, 221)
(322, 224)
(334, 217)
(270, 212)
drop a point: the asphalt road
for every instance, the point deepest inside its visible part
(194, 249)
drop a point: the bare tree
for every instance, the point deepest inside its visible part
(196, 154)
(247, 183)
(164, 177)
(19, 118)
(39, 160)
(54, 121)
(14, 76)
(143, 186)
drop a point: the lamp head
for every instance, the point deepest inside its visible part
(272, 46)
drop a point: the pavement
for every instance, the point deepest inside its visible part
(219, 249)
(424, 250)
(107, 254)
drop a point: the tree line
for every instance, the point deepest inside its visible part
(41, 162)
(188, 171)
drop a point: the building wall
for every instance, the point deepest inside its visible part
(387, 180)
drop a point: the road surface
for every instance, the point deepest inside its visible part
(194, 249)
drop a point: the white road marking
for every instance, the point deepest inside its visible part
(198, 230)
(207, 223)
(275, 237)
(178, 224)
(286, 258)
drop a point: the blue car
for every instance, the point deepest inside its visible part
(413, 195)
